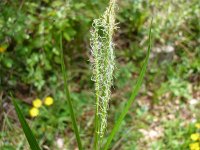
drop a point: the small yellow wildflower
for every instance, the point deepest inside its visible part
(48, 101)
(194, 146)
(2, 49)
(197, 125)
(34, 112)
(37, 103)
(195, 136)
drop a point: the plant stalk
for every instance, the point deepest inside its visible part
(132, 98)
(72, 115)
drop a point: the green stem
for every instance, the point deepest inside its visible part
(73, 119)
(96, 139)
(132, 98)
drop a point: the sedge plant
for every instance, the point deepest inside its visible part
(103, 64)
(102, 50)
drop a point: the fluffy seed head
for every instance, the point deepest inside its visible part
(103, 61)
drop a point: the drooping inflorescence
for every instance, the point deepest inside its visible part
(103, 61)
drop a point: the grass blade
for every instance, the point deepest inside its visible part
(132, 98)
(27, 131)
(72, 115)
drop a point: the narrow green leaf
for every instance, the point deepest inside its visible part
(27, 131)
(71, 110)
(132, 98)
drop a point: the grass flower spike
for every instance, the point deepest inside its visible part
(48, 101)
(103, 64)
(34, 112)
(37, 103)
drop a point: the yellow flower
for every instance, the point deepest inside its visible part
(194, 146)
(37, 103)
(34, 112)
(195, 136)
(197, 125)
(48, 101)
(2, 49)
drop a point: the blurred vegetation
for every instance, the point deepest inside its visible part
(30, 67)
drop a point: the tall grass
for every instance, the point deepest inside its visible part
(72, 115)
(132, 98)
(103, 66)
